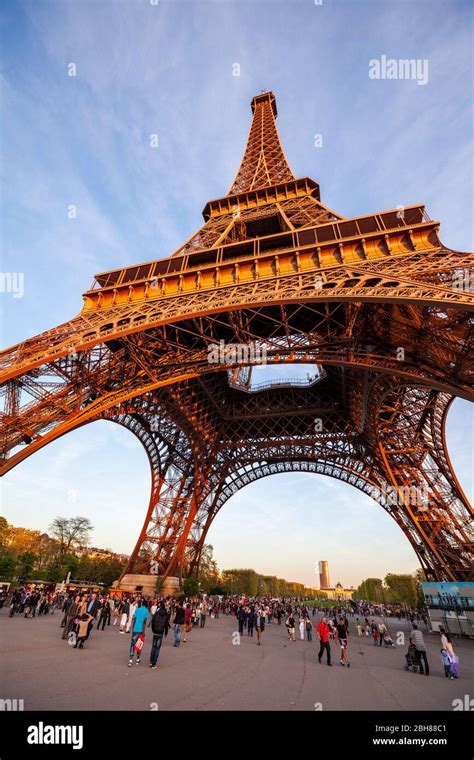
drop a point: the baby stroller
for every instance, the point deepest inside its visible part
(411, 660)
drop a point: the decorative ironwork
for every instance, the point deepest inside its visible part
(377, 303)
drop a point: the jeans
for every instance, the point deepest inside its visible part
(155, 648)
(203, 621)
(132, 645)
(309, 634)
(177, 634)
(419, 655)
(324, 645)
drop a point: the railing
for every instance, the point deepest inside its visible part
(285, 383)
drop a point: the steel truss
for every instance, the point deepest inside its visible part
(377, 303)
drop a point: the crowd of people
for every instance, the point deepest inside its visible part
(132, 614)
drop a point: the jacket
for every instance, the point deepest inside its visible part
(179, 616)
(416, 637)
(159, 621)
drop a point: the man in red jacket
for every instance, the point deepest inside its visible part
(323, 635)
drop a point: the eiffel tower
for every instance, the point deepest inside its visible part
(378, 307)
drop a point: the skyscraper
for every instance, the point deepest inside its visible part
(324, 574)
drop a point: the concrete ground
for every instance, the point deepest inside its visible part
(213, 672)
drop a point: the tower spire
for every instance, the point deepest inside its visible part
(264, 162)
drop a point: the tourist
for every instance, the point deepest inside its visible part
(381, 631)
(241, 616)
(177, 623)
(188, 616)
(309, 629)
(71, 615)
(290, 624)
(203, 608)
(159, 626)
(259, 624)
(117, 613)
(251, 618)
(302, 627)
(125, 610)
(138, 625)
(375, 633)
(446, 660)
(133, 606)
(104, 616)
(83, 630)
(416, 638)
(65, 607)
(342, 636)
(358, 626)
(447, 646)
(15, 602)
(323, 635)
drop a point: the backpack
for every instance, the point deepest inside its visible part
(158, 622)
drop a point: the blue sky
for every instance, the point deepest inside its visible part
(167, 69)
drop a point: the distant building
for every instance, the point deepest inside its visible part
(339, 593)
(324, 575)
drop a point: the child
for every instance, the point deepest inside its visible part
(375, 634)
(446, 660)
(454, 661)
(82, 630)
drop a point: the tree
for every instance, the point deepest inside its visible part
(72, 533)
(4, 530)
(371, 590)
(7, 565)
(191, 586)
(26, 563)
(209, 574)
(402, 588)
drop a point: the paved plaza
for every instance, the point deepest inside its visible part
(210, 672)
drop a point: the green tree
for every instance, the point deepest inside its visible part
(25, 564)
(401, 588)
(7, 565)
(372, 590)
(191, 586)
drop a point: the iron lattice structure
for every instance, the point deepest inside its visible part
(376, 303)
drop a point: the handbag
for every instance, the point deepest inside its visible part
(139, 643)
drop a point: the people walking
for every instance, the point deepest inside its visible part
(309, 629)
(342, 636)
(259, 624)
(188, 616)
(82, 630)
(159, 626)
(241, 617)
(177, 623)
(251, 618)
(416, 638)
(125, 610)
(323, 635)
(302, 627)
(138, 625)
(290, 624)
(104, 616)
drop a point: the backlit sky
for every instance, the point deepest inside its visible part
(167, 69)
